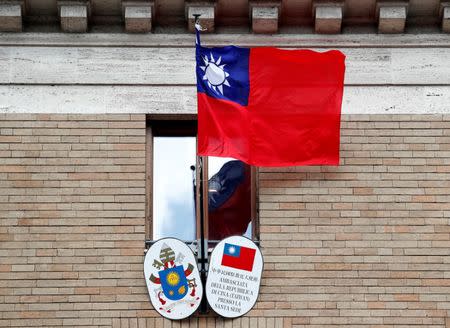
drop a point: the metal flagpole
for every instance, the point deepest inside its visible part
(203, 251)
(203, 259)
(197, 27)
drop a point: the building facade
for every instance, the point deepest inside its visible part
(363, 244)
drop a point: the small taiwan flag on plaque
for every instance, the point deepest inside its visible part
(238, 257)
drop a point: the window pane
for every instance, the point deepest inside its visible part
(229, 198)
(173, 189)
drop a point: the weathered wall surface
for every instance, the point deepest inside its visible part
(365, 244)
(122, 73)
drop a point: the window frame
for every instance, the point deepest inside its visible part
(186, 125)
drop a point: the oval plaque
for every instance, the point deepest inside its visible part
(234, 276)
(172, 278)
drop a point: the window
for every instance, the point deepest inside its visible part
(174, 198)
(173, 187)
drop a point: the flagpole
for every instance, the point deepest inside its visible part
(203, 199)
(203, 241)
(197, 28)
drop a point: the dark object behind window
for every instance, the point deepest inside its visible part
(229, 200)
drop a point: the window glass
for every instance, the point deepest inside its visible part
(173, 187)
(229, 198)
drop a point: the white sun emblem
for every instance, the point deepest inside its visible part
(215, 74)
(231, 250)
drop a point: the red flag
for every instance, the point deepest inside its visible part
(238, 257)
(270, 107)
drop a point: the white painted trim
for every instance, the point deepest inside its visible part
(182, 100)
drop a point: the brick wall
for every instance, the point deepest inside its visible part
(365, 244)
(72, 208)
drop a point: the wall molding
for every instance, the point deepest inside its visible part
(154, 73)
(86, 99)
(184, 40)
(176, 66)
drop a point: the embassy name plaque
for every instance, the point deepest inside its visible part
(172, 278)
(234, 276)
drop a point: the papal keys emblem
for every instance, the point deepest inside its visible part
(172, 278)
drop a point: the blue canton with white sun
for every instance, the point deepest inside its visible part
(223, 73)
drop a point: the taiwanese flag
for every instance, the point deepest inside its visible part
(238, 257)
(270, 107)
